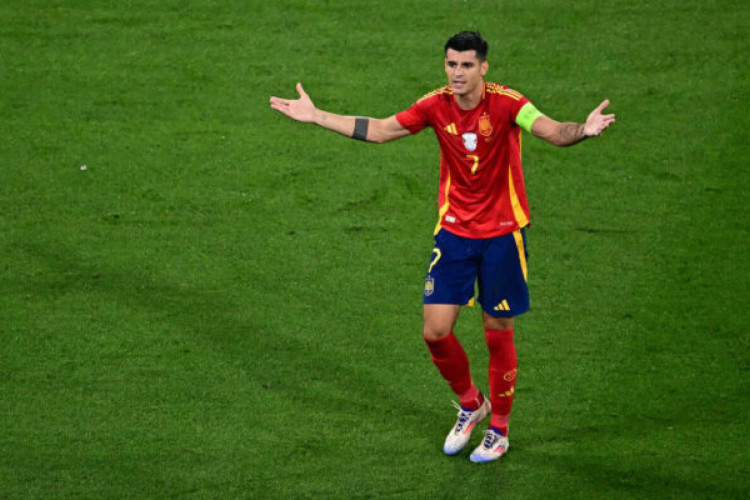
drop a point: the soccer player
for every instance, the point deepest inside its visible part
(483, 212)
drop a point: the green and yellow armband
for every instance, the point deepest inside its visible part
(526, 116)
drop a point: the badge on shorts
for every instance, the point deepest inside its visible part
(429, 286)
(470, 140)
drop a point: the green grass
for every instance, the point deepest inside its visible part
(226, 304)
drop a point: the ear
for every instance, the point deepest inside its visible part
(484, 67)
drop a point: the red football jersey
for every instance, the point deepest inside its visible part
(482, 193)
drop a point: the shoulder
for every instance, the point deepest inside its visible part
(503, 91)
(435, 95)
(505, 100)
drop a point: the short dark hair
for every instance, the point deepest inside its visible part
(468, 40)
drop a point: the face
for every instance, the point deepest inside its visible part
(465, 71)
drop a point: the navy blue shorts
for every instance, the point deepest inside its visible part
(496, 265)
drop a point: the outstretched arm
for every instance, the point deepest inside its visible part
(362, 128)
(569, 133)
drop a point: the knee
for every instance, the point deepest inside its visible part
(438, 321)
(432, 333)
(493, 323)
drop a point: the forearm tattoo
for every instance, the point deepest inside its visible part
(572, 133)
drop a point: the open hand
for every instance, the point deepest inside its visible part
(301, 109)
(597, 122)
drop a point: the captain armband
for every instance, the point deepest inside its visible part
(527, 116)
(360, 128)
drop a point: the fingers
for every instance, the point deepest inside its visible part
(284, 106)
(599, 121)
(604, 124)
(281, 108)
(277, 102)
(601, 107)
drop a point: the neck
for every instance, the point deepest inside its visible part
(470, 101)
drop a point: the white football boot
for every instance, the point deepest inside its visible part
(494, 446)
(459, 435)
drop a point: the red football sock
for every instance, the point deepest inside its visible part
(502, 375)
(450, 359)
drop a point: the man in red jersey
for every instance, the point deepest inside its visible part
(480, 236)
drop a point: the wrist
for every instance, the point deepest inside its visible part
(583, 133)
(318, 117)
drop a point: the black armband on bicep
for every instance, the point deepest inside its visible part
(360, 128)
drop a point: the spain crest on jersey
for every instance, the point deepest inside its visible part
(485, 126)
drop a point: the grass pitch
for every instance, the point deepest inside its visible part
(224, 303)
